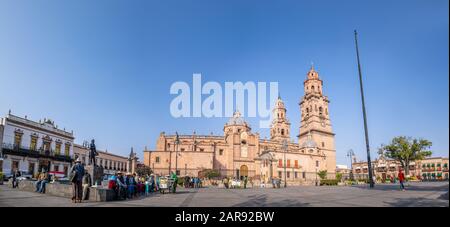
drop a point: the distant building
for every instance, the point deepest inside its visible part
(110, 162)
(342, 169)
(433, 168)
(31, 146)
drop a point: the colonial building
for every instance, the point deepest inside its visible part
(240, 152)
(433, 168)
(111, 163)
(31, 146)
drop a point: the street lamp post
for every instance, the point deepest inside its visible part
(350, 154)
(369, 163)
(285, 146)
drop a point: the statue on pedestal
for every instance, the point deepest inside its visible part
(93, 153)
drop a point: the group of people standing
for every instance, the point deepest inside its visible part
(192, 182)
(128, 186)
(228, 182)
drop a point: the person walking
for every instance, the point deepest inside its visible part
(401, 178)
(225, 182)
(15, 181)
(175, 182)
(87, 182)
(245, 182)
(77, 173)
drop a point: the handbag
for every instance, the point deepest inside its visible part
(73, 176)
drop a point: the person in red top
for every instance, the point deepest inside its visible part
(401, 178)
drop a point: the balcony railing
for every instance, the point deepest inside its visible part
(26, 151)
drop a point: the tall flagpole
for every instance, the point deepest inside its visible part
(369, 163)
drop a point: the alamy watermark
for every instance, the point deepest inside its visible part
(221, 102)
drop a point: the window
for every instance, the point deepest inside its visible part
(317, 163)
(280, 163)
(33, 143)
(221, 152)
(295, 175)
(288, 174)
(296, 164)
(323, 144)
(201, 149)
(17, 138)
(279, 174)
(239, 130)
(288, 163)
(67, 149)
(182, 149)
(304, 175)
(56, 168)
(157, 159)
(282, 132)
(58, 148)
(178, 172)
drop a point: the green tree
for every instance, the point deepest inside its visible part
(212, 173)
(339, 177)
(322, 174)
(407, 149)
(143, 170)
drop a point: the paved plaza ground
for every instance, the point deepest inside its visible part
(386, 195)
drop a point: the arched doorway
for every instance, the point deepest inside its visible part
(243, 171)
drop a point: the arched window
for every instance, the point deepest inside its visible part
(312, 88)
(282, 132)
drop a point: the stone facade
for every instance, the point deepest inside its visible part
(241, 152)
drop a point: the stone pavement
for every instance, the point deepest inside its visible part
(417, 194)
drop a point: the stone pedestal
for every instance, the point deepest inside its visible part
(96, 173)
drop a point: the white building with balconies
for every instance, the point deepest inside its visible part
(31, 146)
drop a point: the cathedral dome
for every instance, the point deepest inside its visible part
(236, 119)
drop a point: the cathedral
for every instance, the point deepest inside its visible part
(240, 152)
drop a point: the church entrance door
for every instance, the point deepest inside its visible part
(243, 172)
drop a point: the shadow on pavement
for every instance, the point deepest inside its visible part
(261, 201)
(409, 187)
(420, 202)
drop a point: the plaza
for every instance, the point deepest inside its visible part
(418, 194)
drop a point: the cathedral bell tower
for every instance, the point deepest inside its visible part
(280, 127)
(315, 121)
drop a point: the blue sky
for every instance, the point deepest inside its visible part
(104, 68)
